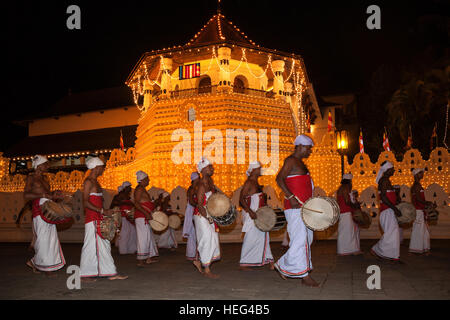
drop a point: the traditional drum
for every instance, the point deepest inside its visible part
(408, 213)
(110, 225)
(431, 213)
(362, 218)
(218, 205)
(174, 221)
(320, 213)
(268, 219)
(56, 211)
(160, 221)
(65, 225)
(228, 218)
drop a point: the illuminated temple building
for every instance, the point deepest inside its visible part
(219, 87)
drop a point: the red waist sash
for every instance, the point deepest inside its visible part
(418, 205)
(36, 210)
(344, 207)
(197, 213)
(392, 196)
(300, 186)
(139, 214)
(125, 207)
(91, 215)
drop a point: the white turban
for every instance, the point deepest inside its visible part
(203, 164)
(383, 169)
(194, 175)
(141, 175)
(417, 170)
(123, 186)
(37, 160)
(347, 176)
(94, 162)
(304, 140)
(253, 165)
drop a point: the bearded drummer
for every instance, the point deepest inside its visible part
(147, 251)
(167, 239)
(48, 253)
(208, 245)
(126, 241)
(96, 258)
(188, 224)
(295, 181)
(420, 235)
(348, 230)
(256, 245)
(388, 247)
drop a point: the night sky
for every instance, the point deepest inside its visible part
(45, 59)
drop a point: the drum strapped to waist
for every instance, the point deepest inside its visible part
(320, 213)
(219, 208)
(174, 221)
(362, 218)
(160, 221)
(268, 219)
(130, 214)
(408, 213)
(430, 212)
(110, 225)
(56, 211)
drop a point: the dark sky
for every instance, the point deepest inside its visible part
(45, 59)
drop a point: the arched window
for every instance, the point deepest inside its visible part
(204, 86)
(239, 84)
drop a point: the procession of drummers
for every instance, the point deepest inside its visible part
(140, 225)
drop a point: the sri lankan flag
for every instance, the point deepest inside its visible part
(330, 121)
(433, 136)
(361, 142)
(121, 140)
(386, 141)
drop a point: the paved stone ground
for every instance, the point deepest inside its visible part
(175, 278)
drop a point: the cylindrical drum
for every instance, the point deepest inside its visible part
(174, 221)
(218, 205)
(362, 218)
(55, 211)
(227, 219)
(268, 219)
(408, 213)
(160, 221)
(109, 225)
(320, 213)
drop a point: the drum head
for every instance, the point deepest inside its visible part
(362, 218)
(218, 205)
(160, 221)
(265, 219)
(174, 221)
(320, 213)
(408, 213)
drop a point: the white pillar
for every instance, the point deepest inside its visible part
(165, 76)
(224, 57)
(278, 82)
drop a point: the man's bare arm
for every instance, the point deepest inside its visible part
(281, 176)
(200, 194)
(137, 203)
(87, 186)
(242, 196)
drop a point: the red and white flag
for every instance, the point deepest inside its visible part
(361, 142)
(330, 121)
(386, 142)
(121, 140)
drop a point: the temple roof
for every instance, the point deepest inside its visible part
(87, 140)
(219, 29)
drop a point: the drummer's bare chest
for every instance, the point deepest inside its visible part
(298, 168)
(41, 183)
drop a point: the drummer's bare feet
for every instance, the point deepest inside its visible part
(31, 265)
(209, 274)
(426, 253)
(310, 282)
(151, 260)
(358, 253)
(271, 267)
(118, 277)
(51, 274)
(88, 279)
(279, 272)
(173, 249)
(198, 265)
(375, 255)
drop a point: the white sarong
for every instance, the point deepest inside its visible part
(285, 242)
(146, 245)
(420, 236)
(256, 246)
(127, 238)
(296, 262)
(96, 258)
(207, 241)
(167, 239)
(389, 244)
(189, 233)
(348, 235)
(48, 253)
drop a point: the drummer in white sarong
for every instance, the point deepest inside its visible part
(295, 181)
(188, 225)
(256, 245)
